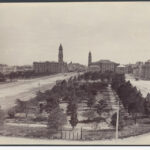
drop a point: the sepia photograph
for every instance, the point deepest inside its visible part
(75, 73)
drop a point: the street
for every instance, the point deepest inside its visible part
(26, 89)
(142, 85)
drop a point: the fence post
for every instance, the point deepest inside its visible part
(61, 134)
(65, 134)
(77, 135)
(117, 121)
(69, 135)
(81, 134)
(73, 135)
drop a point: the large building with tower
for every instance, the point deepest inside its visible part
(101, 65)
(51, 66)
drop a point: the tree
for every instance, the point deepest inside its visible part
(72, 109)
(74, 119)
(56, 119)
(52, 103)
(91, 100)
(133, 110)
(2, 116)
(2, 77)
(11, 112)
(147, 104)
(72, 106)
(102, 106)
(121, 120)
(91, 114)
(21, 107)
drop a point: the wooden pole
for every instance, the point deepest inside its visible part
(69, 135)
(73, 135)
(117, 121)
(65, 134)
(81, 133)
(61, 134)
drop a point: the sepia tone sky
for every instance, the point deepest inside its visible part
(119, 31)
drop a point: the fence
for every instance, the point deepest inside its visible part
(71, 134)
(84, 134)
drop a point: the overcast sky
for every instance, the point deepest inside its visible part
(119, 31)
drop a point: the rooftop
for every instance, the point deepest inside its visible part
(105, 61)
(42, 62)
(121, 65)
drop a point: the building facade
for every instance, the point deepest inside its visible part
(76, 67)
(23, 68)
(142, 70)
(145, 70)
(137, 69)
(101, 65)
(3, 68)
(129, 68)
(51, 67)
(121, 69)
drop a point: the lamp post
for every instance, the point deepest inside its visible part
(117, 121)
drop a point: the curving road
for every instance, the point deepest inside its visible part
(26, 89)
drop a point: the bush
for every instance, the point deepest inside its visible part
(11, 112)
(2, 117)
(40, 118)
(56, 119)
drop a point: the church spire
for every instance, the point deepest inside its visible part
(89, 58)
(60, 55)
(60, 47)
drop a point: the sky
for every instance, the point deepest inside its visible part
(119, 31)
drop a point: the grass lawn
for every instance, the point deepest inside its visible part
(32, 132)
(142, 126)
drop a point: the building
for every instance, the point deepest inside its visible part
(101, 65)
(142, 70)
(121, 69)
(51, 67)
(93, 68)
(76, 67)
(137, 69)
(9, 69)
(23, 68)
(145, 70)
(129, 68)
(3, 68)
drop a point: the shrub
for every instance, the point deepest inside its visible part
(2, 117)
(11, 112)
(56, 119)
